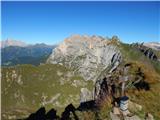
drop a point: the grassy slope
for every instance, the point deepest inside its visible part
(24, 91)
(151, 69)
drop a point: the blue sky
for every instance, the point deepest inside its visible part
(51, 22)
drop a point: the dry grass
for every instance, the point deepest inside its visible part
(150, 100)
(150, 74)
(105, 108)
(89, 115)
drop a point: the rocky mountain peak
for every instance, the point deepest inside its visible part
(87, 55)
(87, 41)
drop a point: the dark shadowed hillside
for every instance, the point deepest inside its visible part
(33, 54)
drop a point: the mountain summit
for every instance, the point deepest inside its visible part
(87, 55)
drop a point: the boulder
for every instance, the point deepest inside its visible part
(85, 95)
(149, 116)
(114, 116)
(116, 111)
(135, 117)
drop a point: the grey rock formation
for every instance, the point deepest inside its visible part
(114, 116)
(88, 56)
(149, 116)
(135, 117)
(103, 88)
(85, 95)
(147, 51)
(116, 111)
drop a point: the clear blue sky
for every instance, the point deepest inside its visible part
(51, 22)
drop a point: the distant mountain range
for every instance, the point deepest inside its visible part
(153, 45)
(16, 52)
(10, 42)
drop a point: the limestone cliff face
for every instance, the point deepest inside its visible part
(88, 56)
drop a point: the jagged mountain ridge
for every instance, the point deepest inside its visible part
(153, 45)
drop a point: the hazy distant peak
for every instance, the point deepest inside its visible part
(153, 45)
(10, 42)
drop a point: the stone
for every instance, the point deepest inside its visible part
(116, 111)
(135, 117)
(85, 95)
(114, 116)
(149, 116)
(11, 117)
(125, 113)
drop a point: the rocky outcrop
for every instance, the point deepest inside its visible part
(88, 56)
(149, 116)
(85, 95)
(115, 84)
(147, 51)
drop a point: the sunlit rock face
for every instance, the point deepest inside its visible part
(87, 55)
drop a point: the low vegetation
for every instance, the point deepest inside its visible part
(25, 88)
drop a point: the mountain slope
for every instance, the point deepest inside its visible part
(81, 70)
(26, 88)
(33, 54)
